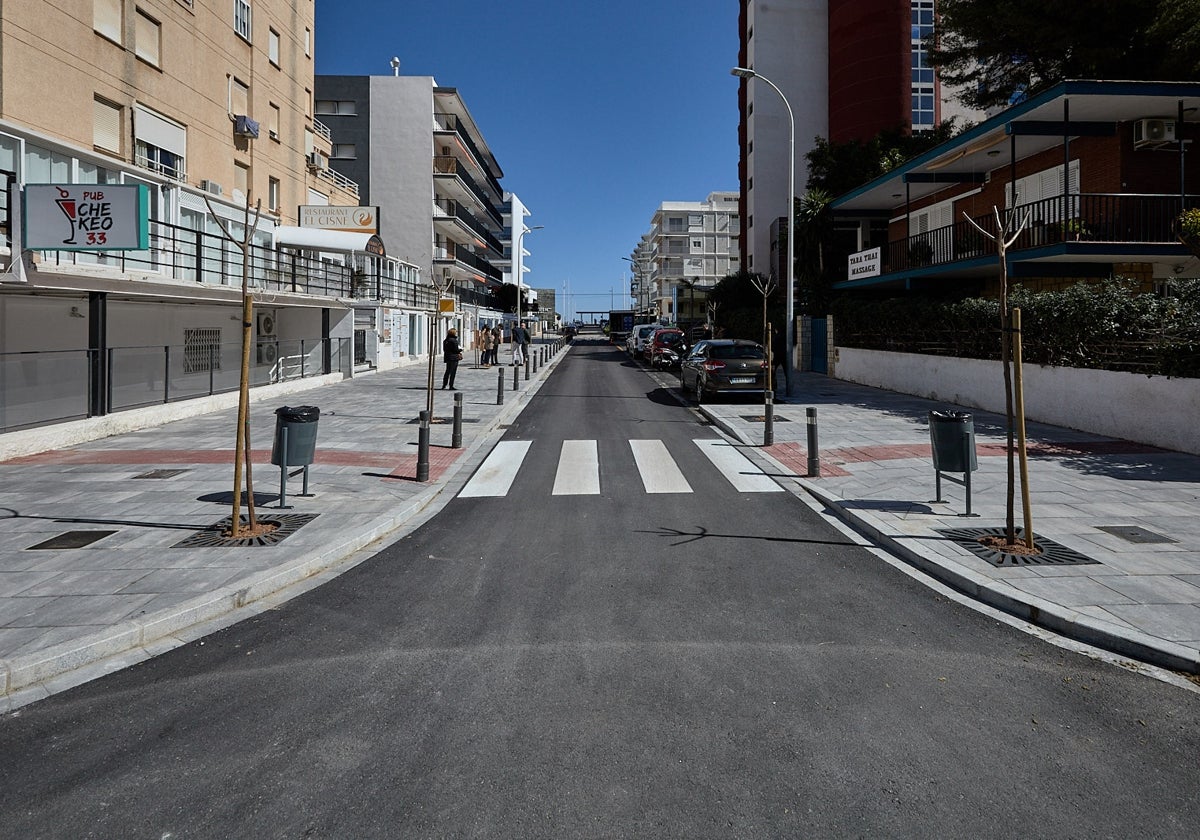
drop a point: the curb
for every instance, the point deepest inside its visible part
(24, 674)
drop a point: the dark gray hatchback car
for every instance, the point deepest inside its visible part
(723, 366)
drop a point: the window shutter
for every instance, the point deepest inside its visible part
(146, 39)
(106, 126)
(241, 99)
(107, 19)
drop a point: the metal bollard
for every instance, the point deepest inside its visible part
(456, 435)
(423, 448)
(535, 362)
(814, 457)
(516, 377)
(500, 387)
(526, 368)
(769, 419)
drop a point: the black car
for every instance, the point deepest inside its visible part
(723, 366)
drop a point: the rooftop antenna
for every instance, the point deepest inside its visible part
(395, 66)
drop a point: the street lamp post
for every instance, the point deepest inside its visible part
(520, 266)
(746, 73)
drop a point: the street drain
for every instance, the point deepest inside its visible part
(1050, 552)
(1134, 534)
(437, 421)
(214, 535)
(762, 418)
(71, 539)
(161, 474)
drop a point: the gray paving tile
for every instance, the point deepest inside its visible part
(1174, 622)
(86, 582)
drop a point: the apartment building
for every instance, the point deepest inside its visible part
(690, 246)
(849, 69)
(417, 154)
(189, 109)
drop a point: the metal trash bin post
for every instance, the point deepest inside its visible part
(295, 444)
(952, 439)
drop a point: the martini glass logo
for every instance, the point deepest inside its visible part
(67, 205)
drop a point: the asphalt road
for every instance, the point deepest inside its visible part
(554, 662)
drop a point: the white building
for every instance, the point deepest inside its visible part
(691, 245)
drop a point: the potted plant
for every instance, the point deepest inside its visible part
(1075, 229)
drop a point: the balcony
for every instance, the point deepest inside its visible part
(1082, 228)
(449, 209)
(448, 165)
(451, 123)
(471, 262)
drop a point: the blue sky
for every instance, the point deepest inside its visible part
(597, 110)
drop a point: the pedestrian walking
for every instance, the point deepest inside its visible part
(488, 343)
(520, 341)
(451, 354)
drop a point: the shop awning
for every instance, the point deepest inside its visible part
(332, 241)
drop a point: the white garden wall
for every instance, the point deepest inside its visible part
(1147, 409)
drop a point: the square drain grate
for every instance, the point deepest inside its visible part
(213, 536)
(71, 539)
(1135, 534)
(1051, 553)
(161, 474)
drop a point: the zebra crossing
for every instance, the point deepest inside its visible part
(578, 472)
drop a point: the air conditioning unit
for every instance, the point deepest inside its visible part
(1153, 132)
(211, 187)
(318, 161)
(266, 325)
(243, 126)
(268, 352)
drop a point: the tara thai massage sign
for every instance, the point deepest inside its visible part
(86, 217)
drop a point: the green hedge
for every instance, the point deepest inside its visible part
(1107, 326)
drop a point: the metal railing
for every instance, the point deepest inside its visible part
(468, 258)
(449, 207)
(322, 130)
(451, 122)
(1113, 219)
(53, 386)
(450, 165)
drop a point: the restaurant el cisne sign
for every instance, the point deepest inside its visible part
(348, 219)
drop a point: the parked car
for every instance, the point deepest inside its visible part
(665, 347)
(723, 366)
(638, 338)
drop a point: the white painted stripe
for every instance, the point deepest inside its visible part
(578, 469)
(660, 473)
(740, 470)
(495, 475)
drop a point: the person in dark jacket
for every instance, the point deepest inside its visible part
(451, 353)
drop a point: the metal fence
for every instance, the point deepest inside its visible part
(42, 387)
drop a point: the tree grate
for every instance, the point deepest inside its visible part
(213, 536)
(1051, 553)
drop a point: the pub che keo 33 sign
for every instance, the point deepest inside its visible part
(87, 217)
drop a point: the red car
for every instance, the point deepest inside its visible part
(665, 348)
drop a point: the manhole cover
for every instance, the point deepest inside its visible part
(1052, 554)
(161, 474)
(213, 536)
(1134, 534)
(762, 418)
(71, 539)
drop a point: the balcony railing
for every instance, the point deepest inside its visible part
(451, 122)
(448, 207)
(450, 252)
(1114, 219)
(450, 165)
(322, 130)
(184, 254)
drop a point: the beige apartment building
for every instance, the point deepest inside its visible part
(206, 104)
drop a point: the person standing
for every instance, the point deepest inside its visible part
(487, 344)
(451, 353)
(520, 343)
(497, 340)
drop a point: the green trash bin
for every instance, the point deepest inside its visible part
(952, 435)
(300, 424)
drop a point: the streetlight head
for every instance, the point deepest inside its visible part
(743, 72)
(535, 227)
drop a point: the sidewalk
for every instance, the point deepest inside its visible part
(68, 614)
(1119, 521)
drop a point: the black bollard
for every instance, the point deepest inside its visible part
(814, 457)
(423, 448)
(456, 435)
(516, 377)
(769, 419)
(500, 387)
(527, 368)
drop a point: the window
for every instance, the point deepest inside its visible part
(675, 224)
(106, 126)
(273, 194)
(273, 121)
(308, 42)
(43, 166)
(241, 179)
(160, 143)
(308, 103)
(344, 150)
(336, 107)
(147, 38)
(201, 350)
(106, 19)
(241, 18)
(273, 47)
(239, 98)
